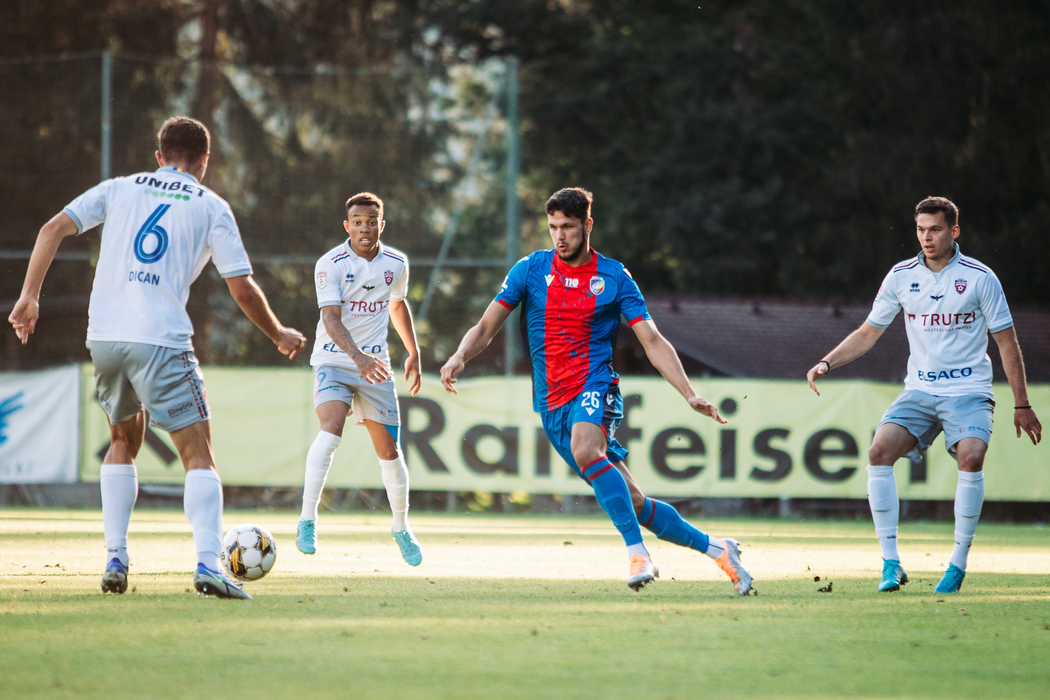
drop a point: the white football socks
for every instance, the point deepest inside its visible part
(395, 479)
(885, 508)
(120, 488)
(202, 501)
(318, 462)
(969, 497)
(639, 548)
(715, 547)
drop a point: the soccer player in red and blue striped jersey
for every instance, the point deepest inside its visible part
(572, 299)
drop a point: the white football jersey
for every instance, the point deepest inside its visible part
(364, 290)
(160, 230)
(948, 317)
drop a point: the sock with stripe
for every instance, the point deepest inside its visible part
(202, 502)
(613, 496)
(664, 521)
(120, 489)
(318, 462)
(969, 497)
(885, 508)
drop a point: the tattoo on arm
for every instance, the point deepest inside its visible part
(333, 323)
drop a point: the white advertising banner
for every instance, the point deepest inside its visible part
(40, 426)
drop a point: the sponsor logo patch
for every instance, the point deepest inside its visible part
(571, 283)
(322, 282)
(960, 286)
(597, 285)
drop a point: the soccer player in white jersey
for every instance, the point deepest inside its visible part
(160, 229)
(361, 287)
(951, 302)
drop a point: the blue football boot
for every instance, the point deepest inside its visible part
(409, 545)
(893, 576)
(218, 584)
(952, 580)
(115, 580)
(306, 536)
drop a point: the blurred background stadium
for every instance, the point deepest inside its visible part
(754, 163)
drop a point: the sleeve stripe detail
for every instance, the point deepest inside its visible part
(391, 255)
(967, 263)
(909, 266)
(341, 256)
(76, 219)
(635, 320)
(505, 304)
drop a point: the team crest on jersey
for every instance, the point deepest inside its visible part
(389, 277)
(597, 285)
(960, 286)
(321, 281)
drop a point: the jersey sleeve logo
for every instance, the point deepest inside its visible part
(597, 285)
(960, 286)
(321, 281)
(388, 275)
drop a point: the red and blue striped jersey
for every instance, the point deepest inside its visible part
(571, 317)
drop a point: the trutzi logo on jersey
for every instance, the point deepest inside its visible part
(322, 282)
(960, 286)
(597, 285)
(388, 275)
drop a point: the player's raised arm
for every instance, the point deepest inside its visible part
(1013, 365)
(401, 317)
(665, 359)
(474, 341)
(856, 344)
(24, 315)
(253, 303)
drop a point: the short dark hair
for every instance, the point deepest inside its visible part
(932, 205)
(571, 201)
(183, 140)
(365, 199)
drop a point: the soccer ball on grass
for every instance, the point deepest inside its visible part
(248, 552)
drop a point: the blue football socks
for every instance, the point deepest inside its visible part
(613, 496)
(664, 521)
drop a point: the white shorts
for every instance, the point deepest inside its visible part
(925, 416)
(375, 402)
(167, 381)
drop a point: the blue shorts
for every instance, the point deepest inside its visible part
(600, 404)
(925, 416)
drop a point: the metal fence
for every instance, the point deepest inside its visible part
(439, 144)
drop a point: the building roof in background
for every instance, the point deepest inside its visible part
(782, 339)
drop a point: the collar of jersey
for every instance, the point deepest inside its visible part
(171, 169)
(348, 249)
(561, 267)
(958, 254)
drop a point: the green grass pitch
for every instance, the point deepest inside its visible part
(520, 607)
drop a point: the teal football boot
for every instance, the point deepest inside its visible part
(952, 580)
(306, 537)
(218, 584)
(409, 545)
(893, 576)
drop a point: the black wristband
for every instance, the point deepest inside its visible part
(828, 364)
(1019, 408)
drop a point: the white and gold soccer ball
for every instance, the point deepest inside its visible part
(248, 552)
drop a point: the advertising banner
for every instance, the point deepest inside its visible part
(40, 426)
(781, 440)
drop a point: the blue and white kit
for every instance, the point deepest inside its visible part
(948, 316)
